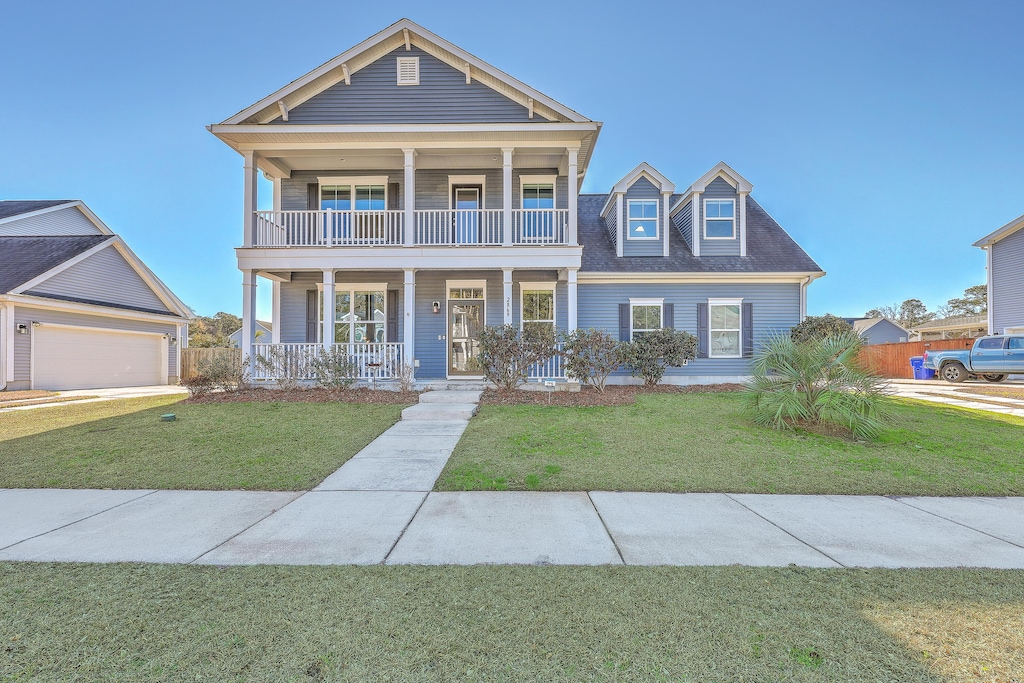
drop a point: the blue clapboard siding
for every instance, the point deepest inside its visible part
(776, 308)
(442, 96)
(683, 222)
(104, 277)
(294, 189)
(293, 298)
(23, 342)
(1007, 282)
(719, 189)
(644, 189)
(68, 221)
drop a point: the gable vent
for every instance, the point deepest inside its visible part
(408, 71)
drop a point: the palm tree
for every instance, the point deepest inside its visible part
(819, 381)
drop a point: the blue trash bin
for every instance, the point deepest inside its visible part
(920, 371)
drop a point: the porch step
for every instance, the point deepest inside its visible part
(440, 411)
(450, 396)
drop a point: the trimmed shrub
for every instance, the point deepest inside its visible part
(333, 369)
(197, 385)
(506, 354)
(224, 372)
(590, 356)
(817, 326)
(649, 355)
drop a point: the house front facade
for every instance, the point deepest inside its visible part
(1004, 251)
(420, 194)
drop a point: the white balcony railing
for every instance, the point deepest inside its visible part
(299, 361)
(329, 228)
(459, 226)
(539, 226)
(552, 368)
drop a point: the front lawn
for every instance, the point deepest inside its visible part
(124, 444)
(552, 624)
(703, 442)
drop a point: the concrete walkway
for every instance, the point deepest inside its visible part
(378, 508)
(937, 391)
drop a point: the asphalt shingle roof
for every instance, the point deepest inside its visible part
(769, 248)
(13, 207)
(23, 258)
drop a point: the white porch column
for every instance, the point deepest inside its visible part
(743, 222)
(506, 196)
(328, 310)
(666, 224)
(248, 311)
(698, 229)
(506, 286)
(623, 227)
(410, 196)
(249, 198)
(275, 313)
(409, 332)
(571, 296)
(8, 335)
(574, 185)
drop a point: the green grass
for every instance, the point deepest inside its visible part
(552, 624)
(703, 442)
(123, 444)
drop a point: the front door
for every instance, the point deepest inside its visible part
(466, 202)
(465, 319)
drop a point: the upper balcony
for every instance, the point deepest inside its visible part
(453, 227)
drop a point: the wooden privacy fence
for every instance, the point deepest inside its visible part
(190, 359)
(893, 360)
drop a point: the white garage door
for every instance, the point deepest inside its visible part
(90, 358)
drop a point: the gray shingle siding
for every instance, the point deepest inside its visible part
(69, 221)
(776, 308)
(23, 342)
(104, 277)
(719, 189)
(644, 189)
(1008, 282)
(441, 97)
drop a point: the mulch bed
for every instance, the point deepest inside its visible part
(589, 397)
(313, 395)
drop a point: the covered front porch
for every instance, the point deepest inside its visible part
(410, 324)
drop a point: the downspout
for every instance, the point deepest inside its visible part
(4, 341)
(803, 297)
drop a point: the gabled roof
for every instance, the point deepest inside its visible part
(644, 170)
(724, 171)
(407, 33)
(9, 208)
(862, 325)
(1005, 231)
(26, 258)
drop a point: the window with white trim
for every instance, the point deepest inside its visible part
(360, 313)
(360, 197)
(643, 219)
(724, 328)
(408, 71)
(537, 308)
(719, 219)
(645, 315)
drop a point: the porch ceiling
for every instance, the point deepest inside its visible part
(390, 159)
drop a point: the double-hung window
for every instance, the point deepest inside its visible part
(361, 194)
(537, 308)
(643, 219)
(645, 315)
(360, 313)
(719, 219)
(537, 199)
(724, 328)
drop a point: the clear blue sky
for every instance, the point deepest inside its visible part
(886, 137)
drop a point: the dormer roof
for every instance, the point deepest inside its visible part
(724, 171)
(644, 170)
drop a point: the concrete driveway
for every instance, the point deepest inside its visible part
(91, 395)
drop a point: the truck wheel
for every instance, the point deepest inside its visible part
(954, 372)
(994, 378)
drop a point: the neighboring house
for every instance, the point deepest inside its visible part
(878, 330)
(1004, 249)
(420, 194)
(960, 327)
(262, 335)
(78, 309)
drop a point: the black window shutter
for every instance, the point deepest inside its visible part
(392, 315)
(313, 197)
(702, 331)
(312, 315)
(392, 196)
(668, 315)
(748, 330)
(624, 322)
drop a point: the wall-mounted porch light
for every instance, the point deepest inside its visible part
(22, 328)
(436, 306)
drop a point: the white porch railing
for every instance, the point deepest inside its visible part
(329, 228)
(459, 226)
(552, 368)
(299, 361)
(539, 226)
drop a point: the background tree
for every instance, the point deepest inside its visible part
(212, 331)
(973, 302)
(817, 326)
(908, 314)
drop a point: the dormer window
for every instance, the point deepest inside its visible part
(719, 219)
(643, 219)
(408, 71)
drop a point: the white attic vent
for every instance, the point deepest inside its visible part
(408, 71)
